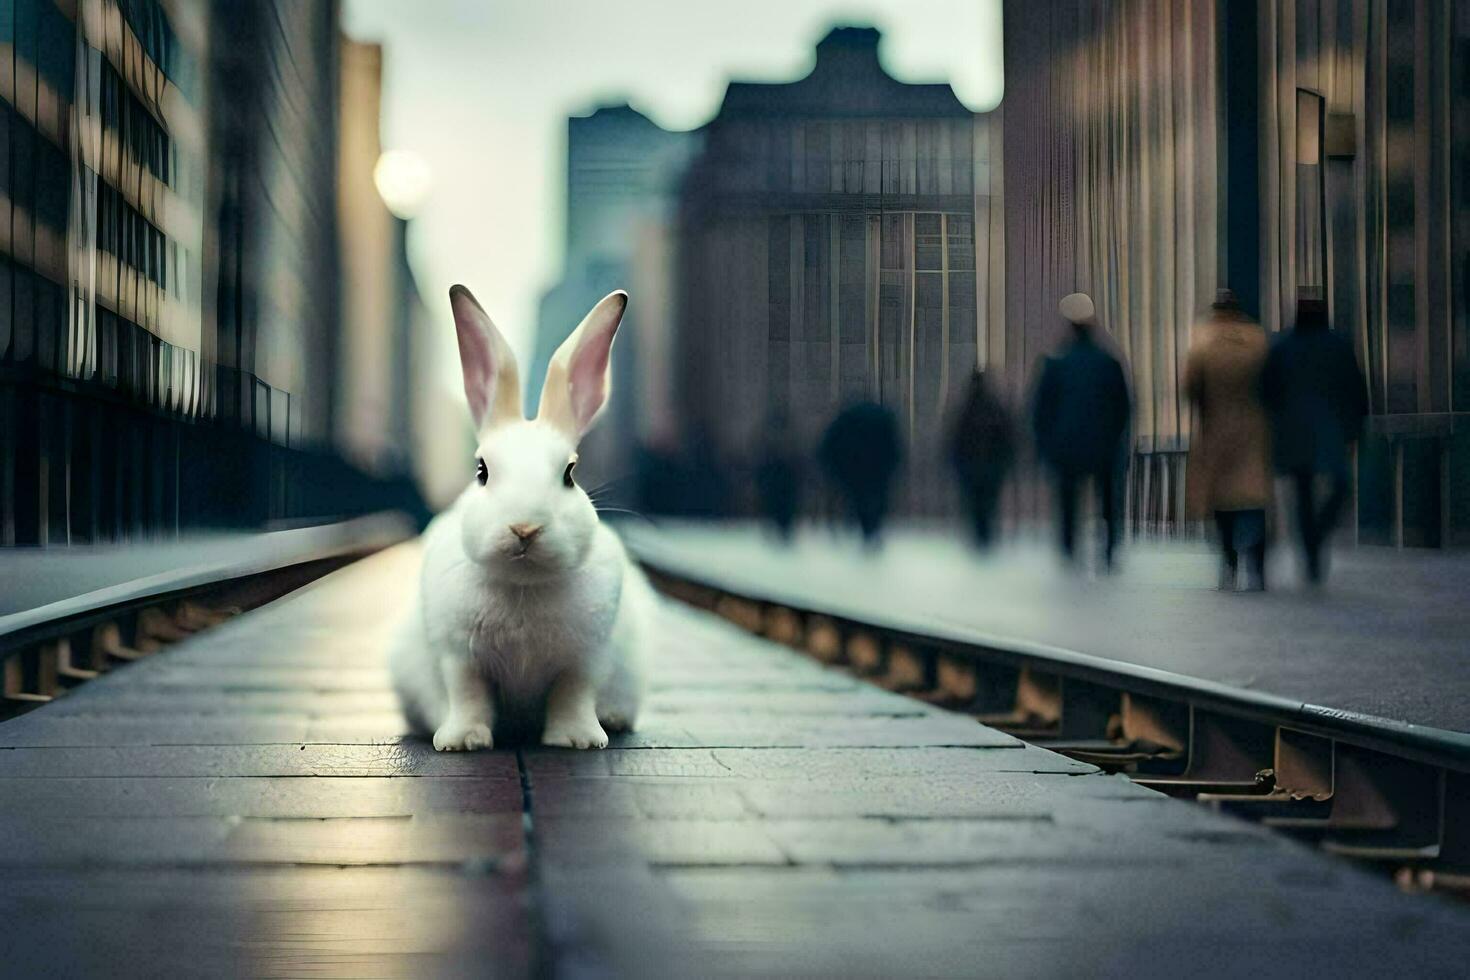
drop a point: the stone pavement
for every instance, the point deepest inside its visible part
(243, 803)
(1388, 636)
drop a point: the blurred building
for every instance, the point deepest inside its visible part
(1363, 131)
(388, 419)
(622, 177)
(270, 72)
(371, 420)
(170, 323)
(836, 241)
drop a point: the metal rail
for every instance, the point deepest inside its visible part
(1374, 789)
(48, 650)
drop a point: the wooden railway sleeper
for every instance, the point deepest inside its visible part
(864, 653)
(107, 642)
(823, 639)
(30, 677)
(66, 666)
(1036, 711)
(911, 669)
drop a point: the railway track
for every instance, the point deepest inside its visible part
(49, 650)
(1389, 794)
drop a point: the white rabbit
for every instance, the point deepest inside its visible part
(528, 607)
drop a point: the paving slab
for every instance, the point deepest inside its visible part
(730, 729)
(251, 796)
(654, 799)
(46, 730)
(215, 702)
(407, 758)
(91, 842)
(408, 922)
(854, 702)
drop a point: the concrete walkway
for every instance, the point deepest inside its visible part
(244, 804)
(1388, 636)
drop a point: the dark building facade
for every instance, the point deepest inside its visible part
(168, 245)
(834, 243)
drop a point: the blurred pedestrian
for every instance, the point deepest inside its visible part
(860, 453)
(1229, 458)
(778, 475)
(981, 449)
(1317, 398)
(1081, 417)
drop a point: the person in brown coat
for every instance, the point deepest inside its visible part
(1229, 460)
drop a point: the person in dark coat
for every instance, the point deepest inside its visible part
(778, 476)
(1081, 417)
(860, 453)
(981, 449)
(1317, 398)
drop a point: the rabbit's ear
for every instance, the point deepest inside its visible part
(491, 382)
(578, 379)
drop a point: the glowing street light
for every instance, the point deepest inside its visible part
(403, 180)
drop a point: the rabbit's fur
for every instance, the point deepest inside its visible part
(529, 612)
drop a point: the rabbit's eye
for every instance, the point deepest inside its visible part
(566, 475)
(482, 473)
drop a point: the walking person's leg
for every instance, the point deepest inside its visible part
(979, 522)
(1306, 521)
(1330, 510)
(1250, 538)
(1107, 496)
(1325, 519)
(872, 505)
(1067, 486)
(852, 504)
(982, 513)
(1225, 528)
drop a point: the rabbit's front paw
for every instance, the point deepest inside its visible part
(459, 735)
(575, 734)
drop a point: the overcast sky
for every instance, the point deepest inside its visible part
(481, 89)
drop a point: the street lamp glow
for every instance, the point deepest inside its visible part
(403, 180)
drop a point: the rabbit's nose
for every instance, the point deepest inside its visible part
(526, 532)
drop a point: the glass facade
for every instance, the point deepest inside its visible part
(167, 249)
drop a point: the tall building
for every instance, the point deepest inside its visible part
(836, 242)
(271, 223)
(169, 320)
(622, 177)
(372, 411)
(104, 233)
